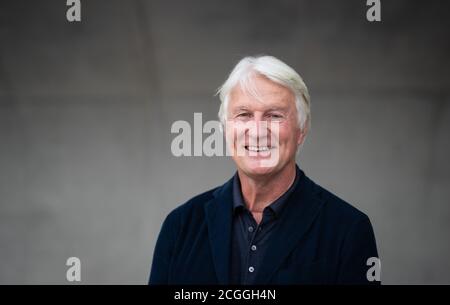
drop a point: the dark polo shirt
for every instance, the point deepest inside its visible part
(249, 240)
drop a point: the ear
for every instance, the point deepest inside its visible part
(301, 136)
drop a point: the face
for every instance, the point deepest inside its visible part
(262, 132)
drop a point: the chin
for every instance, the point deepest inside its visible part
(257, 168)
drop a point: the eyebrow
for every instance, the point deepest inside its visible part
(240, 108)
(277, 109)
(245, 108)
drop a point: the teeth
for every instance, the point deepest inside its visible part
(257, 149)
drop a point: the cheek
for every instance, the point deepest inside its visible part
(288, 137)
(285, 134)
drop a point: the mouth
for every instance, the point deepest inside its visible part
(257, 148)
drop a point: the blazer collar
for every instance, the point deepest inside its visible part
(301, 209)
(218, 213)
(299, 212)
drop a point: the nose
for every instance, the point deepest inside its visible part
(258, 131)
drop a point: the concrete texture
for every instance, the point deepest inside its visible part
(86, 109)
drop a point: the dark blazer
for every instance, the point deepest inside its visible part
(320, 239)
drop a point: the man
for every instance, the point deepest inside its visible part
(269, 224)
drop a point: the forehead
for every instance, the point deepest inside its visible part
(261, 93)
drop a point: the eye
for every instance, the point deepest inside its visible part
(275, 116)
(243, 114)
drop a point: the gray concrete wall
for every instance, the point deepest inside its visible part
(86, 108)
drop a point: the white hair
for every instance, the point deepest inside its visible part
(275, 70)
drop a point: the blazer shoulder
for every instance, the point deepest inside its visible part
(193, 205)
(338, 207)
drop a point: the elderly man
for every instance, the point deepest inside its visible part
(269, 224)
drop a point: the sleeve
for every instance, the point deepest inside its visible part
(358, 253)
(164, 249)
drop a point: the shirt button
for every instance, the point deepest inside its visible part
(250, 229)
(253, 248)
(251, 269)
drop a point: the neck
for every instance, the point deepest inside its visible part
(259, 192)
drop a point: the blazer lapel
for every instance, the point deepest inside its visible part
(219, 220)
(300, 211)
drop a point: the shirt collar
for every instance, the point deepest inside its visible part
(275, 207)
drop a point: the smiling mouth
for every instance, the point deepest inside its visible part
(257, 148)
